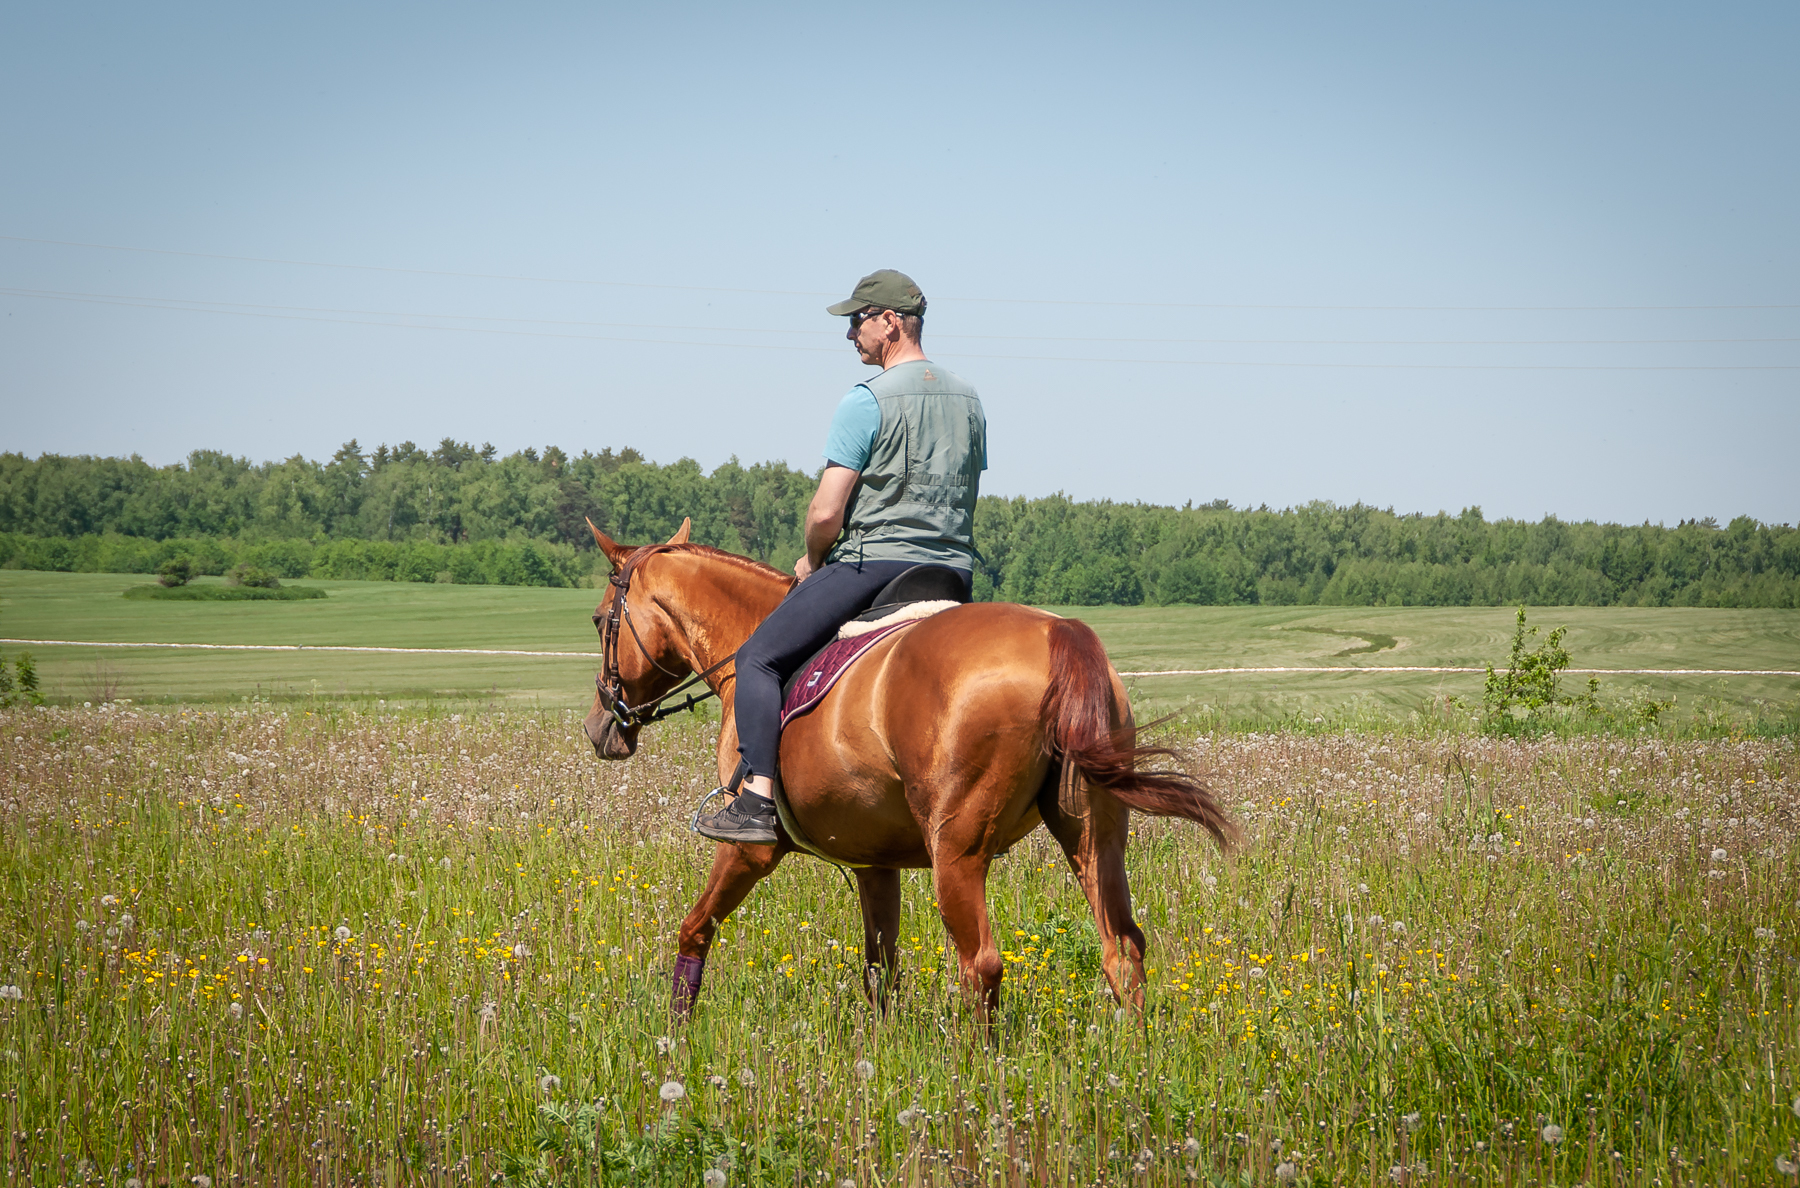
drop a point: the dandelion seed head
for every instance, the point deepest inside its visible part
(1113, 1081)
(864, 1070)
(746, 1078)
(520, 952)
(665, 1044)
(1765, 934)
(672, 1091)
(201, 1181)
(1410, 1121)
(11, 993)
(82, 926)
(714, 1178)
(1553, 1134)
(109, 900)
(1785, 1166)
(716, 1081)
(235, 1010)
(1191, 1148)
(1256, 973)
(1286, 1172)
(341, 932)
(1718, 854)
(910, 1118)
(549, 1083)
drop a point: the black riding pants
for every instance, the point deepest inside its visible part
(804, 622)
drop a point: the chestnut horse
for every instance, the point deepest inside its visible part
(942, 746)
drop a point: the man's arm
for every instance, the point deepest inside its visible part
(825, 516)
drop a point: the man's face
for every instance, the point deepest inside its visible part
(870, 331)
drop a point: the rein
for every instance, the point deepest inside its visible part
(611, 685)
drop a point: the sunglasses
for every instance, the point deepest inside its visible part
(863, 315)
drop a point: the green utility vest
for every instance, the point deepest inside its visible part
(915, 500)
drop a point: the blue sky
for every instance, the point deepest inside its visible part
(1537, 258)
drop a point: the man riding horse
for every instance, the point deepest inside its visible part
(903, 463)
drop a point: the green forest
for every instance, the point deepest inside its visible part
(464, 514)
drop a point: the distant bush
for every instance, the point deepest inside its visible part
(484, 562)
(225, 593)
(246, 574)
(176, 571)
(20, 685)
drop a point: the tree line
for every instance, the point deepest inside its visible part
(465, 514)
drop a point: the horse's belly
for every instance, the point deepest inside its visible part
(846, 795)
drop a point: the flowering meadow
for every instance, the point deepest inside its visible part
(360, 945)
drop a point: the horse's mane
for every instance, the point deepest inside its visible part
(738, 560)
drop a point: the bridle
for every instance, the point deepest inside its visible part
(610, 685)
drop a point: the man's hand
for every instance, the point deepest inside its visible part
(825, 516)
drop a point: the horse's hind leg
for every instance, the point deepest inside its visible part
(735, 870)
(879, 891)
(961, 887)
(1091, 825)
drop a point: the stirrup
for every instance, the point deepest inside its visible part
(700, 809)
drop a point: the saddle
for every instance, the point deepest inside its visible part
(918, 593)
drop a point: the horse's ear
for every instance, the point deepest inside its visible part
(615, 552)
(681, 533)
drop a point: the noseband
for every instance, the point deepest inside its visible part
(611, 685)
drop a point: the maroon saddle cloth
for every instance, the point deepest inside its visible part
(820, 673)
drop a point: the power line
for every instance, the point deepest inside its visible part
(113, 247)
(761, 346)
(203, 305)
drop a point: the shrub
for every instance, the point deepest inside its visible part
(246, 574)
(1525, 698)
(176, 571)
(21, 684)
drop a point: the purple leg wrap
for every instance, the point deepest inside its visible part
(687, 984)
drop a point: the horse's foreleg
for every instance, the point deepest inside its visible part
(879, 892)
(1091, 826)
(735, 870)
(961, 887)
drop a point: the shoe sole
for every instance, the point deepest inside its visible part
(737, 837)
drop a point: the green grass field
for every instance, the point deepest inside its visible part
(376, 919)
(400, 614)
(271, 946)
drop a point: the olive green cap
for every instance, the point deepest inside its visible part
(885, 289)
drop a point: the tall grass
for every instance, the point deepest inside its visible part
(267, 946)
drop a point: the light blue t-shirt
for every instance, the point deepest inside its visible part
(854, 427)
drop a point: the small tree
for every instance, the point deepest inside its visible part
(21, 684)
(176, 571)
(1523, 696)
(246, 574)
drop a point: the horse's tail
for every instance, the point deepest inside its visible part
(1077, 715)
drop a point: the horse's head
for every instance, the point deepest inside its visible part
(641, 657)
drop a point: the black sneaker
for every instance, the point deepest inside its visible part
(748, 820)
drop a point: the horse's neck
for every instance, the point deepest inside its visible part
(717, 604)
